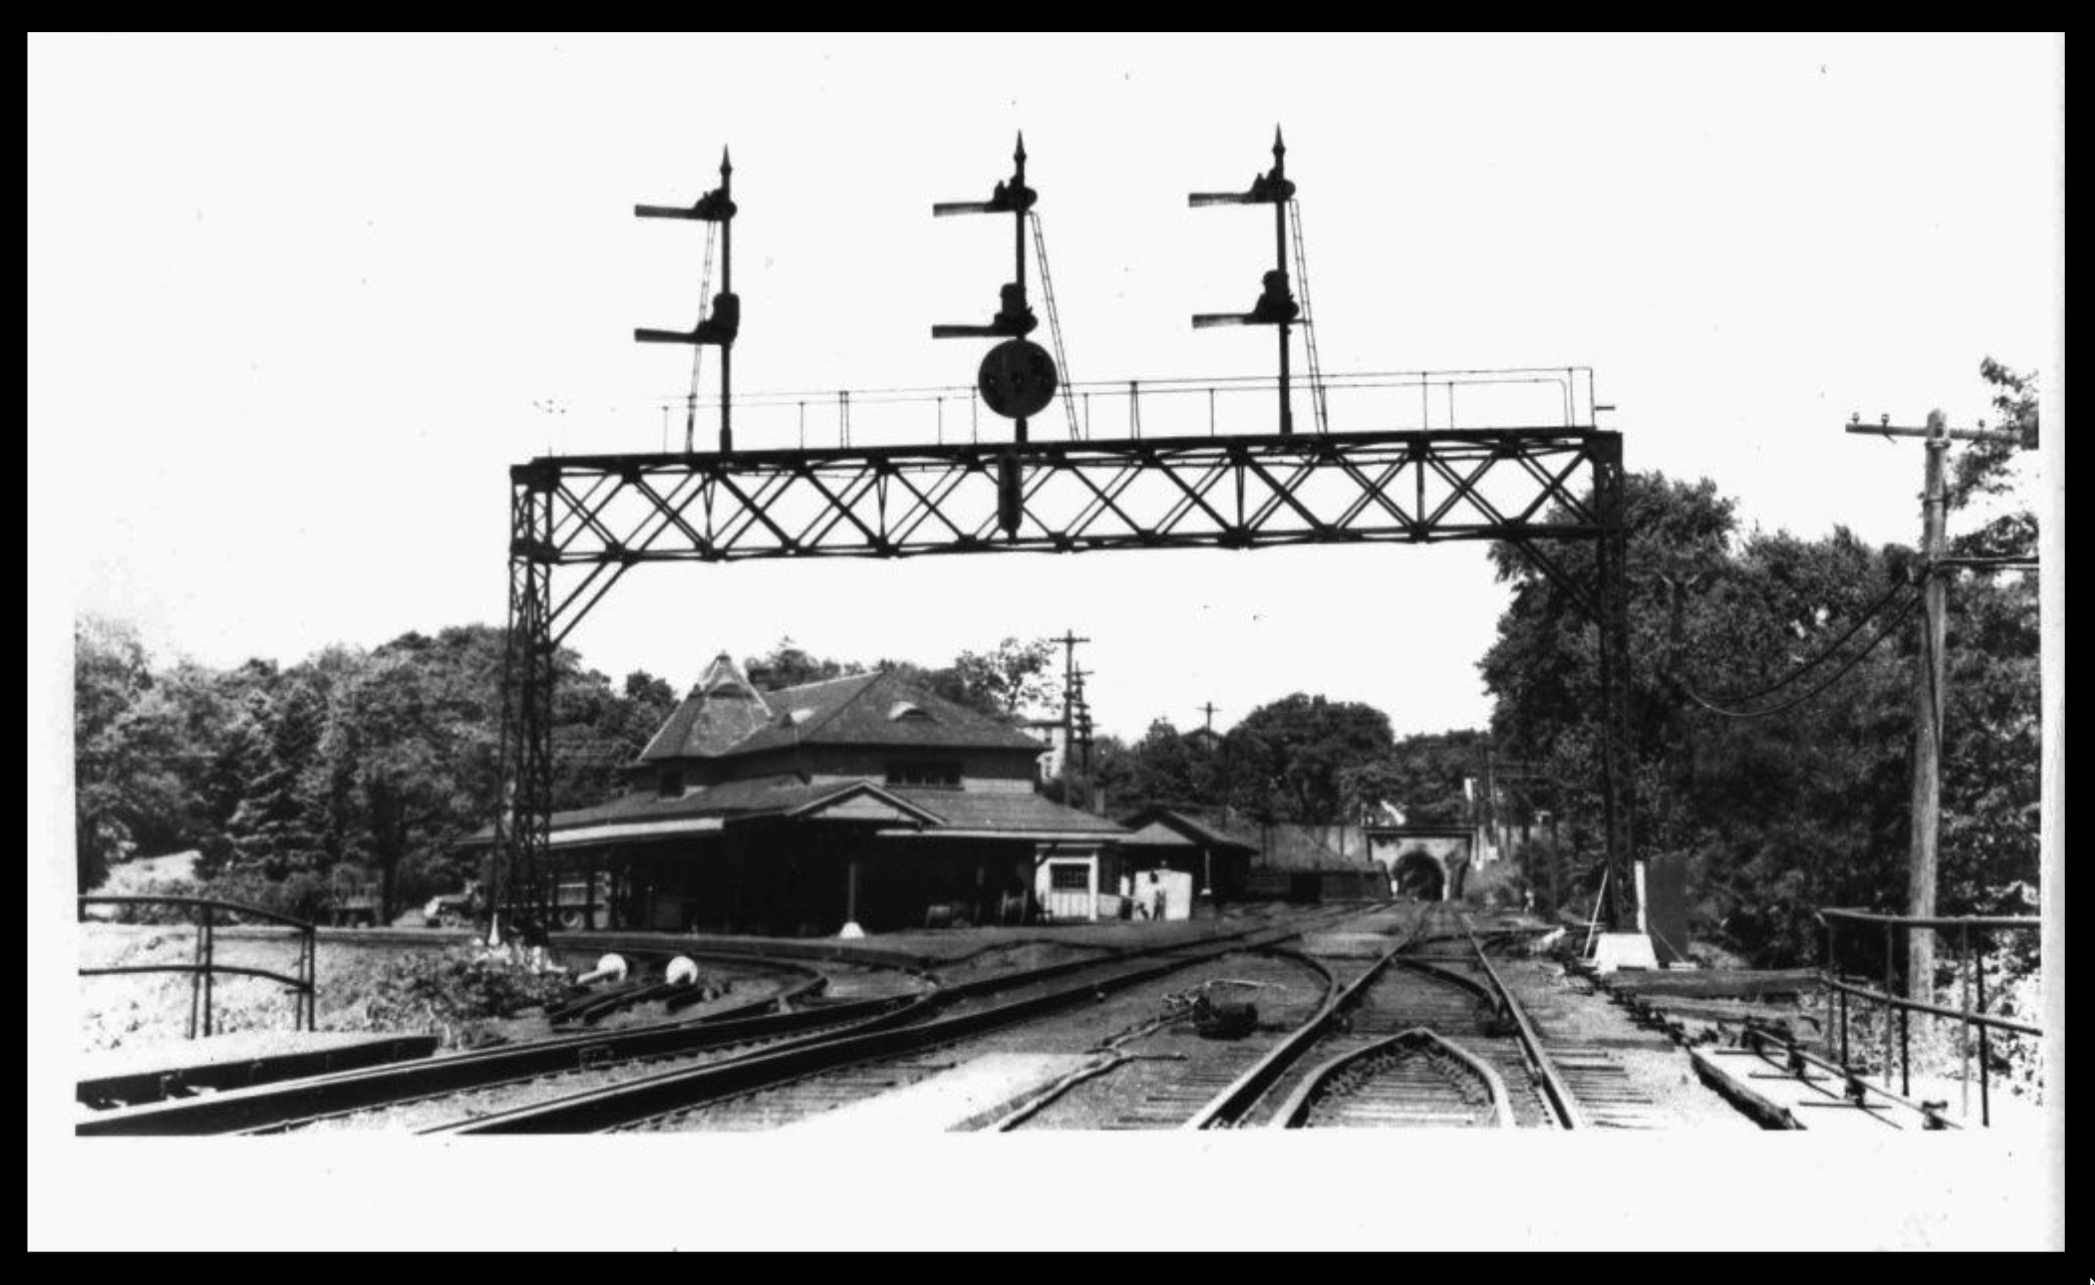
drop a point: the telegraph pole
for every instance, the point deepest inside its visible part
(1207, 722)
(1070, 696)
(1930, 680)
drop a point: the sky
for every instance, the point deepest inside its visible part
(295, 304)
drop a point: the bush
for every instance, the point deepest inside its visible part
(1498, 886)
(301, 895)
(150, 914)
(455, 992)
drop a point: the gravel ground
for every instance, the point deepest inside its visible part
(476, 1103)
(1073, 1030)
(1115, 934)
(1176, 1070)
(1575, 1019)
(153, 1010)
(1011, 957)
(145, 1011)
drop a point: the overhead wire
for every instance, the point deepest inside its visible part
(1807, 666)
(1903, 612)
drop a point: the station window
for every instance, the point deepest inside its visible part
(925, 776)
(1069, 876)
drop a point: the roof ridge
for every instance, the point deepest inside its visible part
(874, 678)
(824, 682)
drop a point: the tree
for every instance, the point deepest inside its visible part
(1285, 760)
(1013, 677)
(386, 757)
(273, 830)
(1982, 468)
(1160, 769)
(1421, 774)
(384, 751)
(1783, 815)
(789, 665)
(124, 742)
(1991, 805)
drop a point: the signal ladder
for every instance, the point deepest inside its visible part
(1307, 320)
(1047, 291)
(705, 295)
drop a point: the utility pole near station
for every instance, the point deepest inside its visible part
(1072, 701)
(1931, 678)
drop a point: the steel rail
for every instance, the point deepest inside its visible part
(1570, 1115)
(654, 1096)
(277, 1105)
(297, 1102)
(1234, 1103)
(1041, 1101)
(1294, 1111)
(134, 1088)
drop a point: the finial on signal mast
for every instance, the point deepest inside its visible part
(1280, 148)
(1020, 154)
(726, 168)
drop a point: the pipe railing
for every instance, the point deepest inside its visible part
(1971, 934)
(1423, 400)
(203, 967)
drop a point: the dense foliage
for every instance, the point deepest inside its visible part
(1789, 796)
(372, 761)
(456, 992)
(1301, 759)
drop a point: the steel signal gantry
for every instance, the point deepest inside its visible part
(579, 523)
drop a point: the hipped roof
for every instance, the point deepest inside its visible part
(725, 715)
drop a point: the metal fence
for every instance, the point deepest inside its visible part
(1971, 937)
(204, 968)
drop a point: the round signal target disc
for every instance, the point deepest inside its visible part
(1017, 379)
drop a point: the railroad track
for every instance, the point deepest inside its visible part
(1429, 1034)
(488, 1082)
(1159, 1073)
(1110, 1028)
(772, 1086)
(300, 1102)
(1410, 1079)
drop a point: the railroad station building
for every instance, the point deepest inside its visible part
(862, 800)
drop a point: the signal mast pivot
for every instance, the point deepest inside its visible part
(1017, 378)
(1276, 304)
(723, 321)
